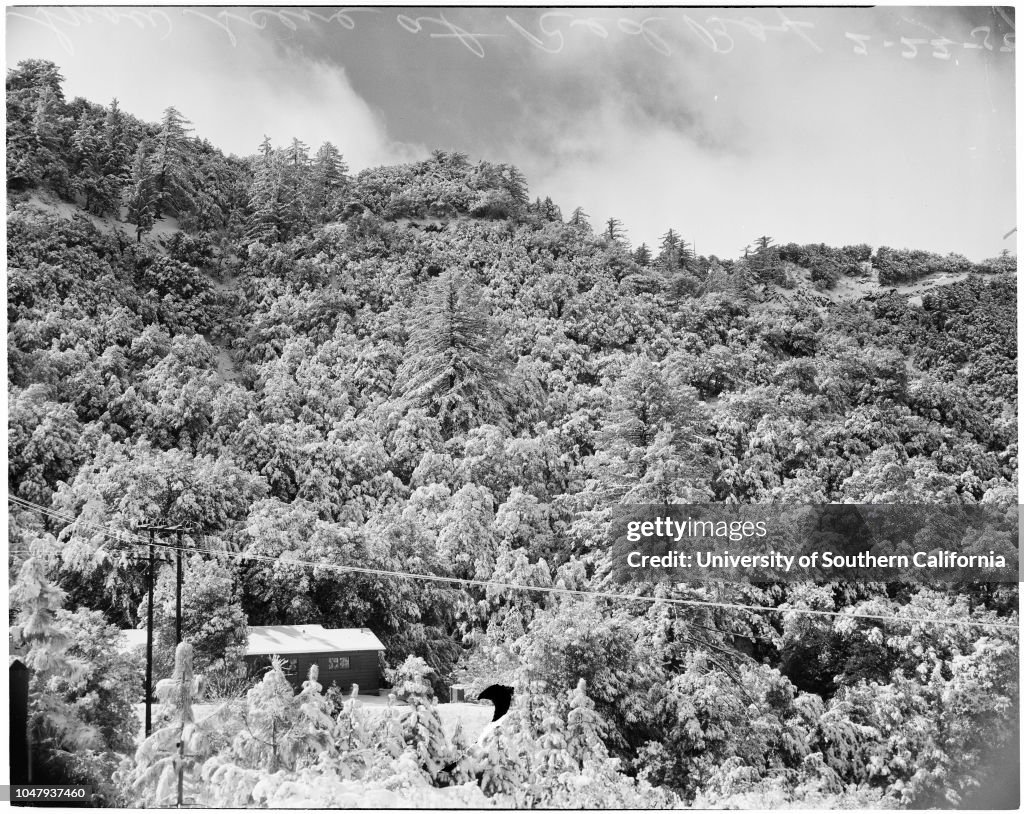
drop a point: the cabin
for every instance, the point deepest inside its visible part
(345, 656)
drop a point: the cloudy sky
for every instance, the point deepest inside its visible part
(886, 125)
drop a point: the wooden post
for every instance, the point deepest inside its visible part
(182, 684)
(181, 768)
(20, 745)
(149, 639)
(177, 589)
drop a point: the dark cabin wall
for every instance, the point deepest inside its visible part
(364, 669)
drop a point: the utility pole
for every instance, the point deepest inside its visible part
(177, 594)
(153, 531)
(149, 641)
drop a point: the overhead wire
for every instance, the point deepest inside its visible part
(132, 539)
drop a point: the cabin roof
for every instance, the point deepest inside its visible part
(281, 640)
(270, 640)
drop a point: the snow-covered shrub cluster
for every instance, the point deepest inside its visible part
(282, 749)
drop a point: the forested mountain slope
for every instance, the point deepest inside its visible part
(416, 369)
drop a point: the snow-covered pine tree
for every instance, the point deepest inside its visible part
(548, 210)
(516, 184)
(387, 734)
(314, 727)
(116, 162)
(171, 164)
(462, 765)
(614, 231)
(503, 757)
(584, 730)
(43, 646)
(266, 196)
(115, 141)
(454, 367)
(328, 183)
(142, 195)
(275, 734)
(295, 172)
(167, 763)
(579, 219)
(266, 740)
(87, 166)
(422, 729)
(642, 255)
(551, 762)
(353, 738)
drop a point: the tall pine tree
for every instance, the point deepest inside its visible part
(328, 184)
(265, 195)
(143, 199)
(171, 164)
(454, 367)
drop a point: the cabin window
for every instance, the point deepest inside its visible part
(259, 665)
(338, 663)
(290, 666)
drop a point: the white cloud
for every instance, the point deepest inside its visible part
(767, 140)
(234, 90)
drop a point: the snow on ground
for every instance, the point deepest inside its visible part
(848, 289)
(474, 717)
(162, 231)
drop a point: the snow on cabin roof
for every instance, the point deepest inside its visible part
(132, 638)
(281, 640)
(272, 640)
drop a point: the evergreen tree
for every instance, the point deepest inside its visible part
(584, 729)
(277, 734)
(652, 440)
(328, 183)
(99, 158)
(315, 732)
(266, 196)
(642, 402)
(172, 755)
(452, 161)
(687, 258)
(614, 231)
(422, 729)
(171, 164)
(675, 253)
(33, 76)
(143, 197)
(453, 367)
(551, 211)
(115, 171)
(388, 734)
(355, 738)
(44, 645)
(295, 182)
(503, 756)
(765, 260)
(45, 141)
(35, 108)
(537, 722)
(516, 184)
(669, 246)
(642, 255)
(579, 219)
(87, 167)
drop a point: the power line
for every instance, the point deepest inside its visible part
(134, 540)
